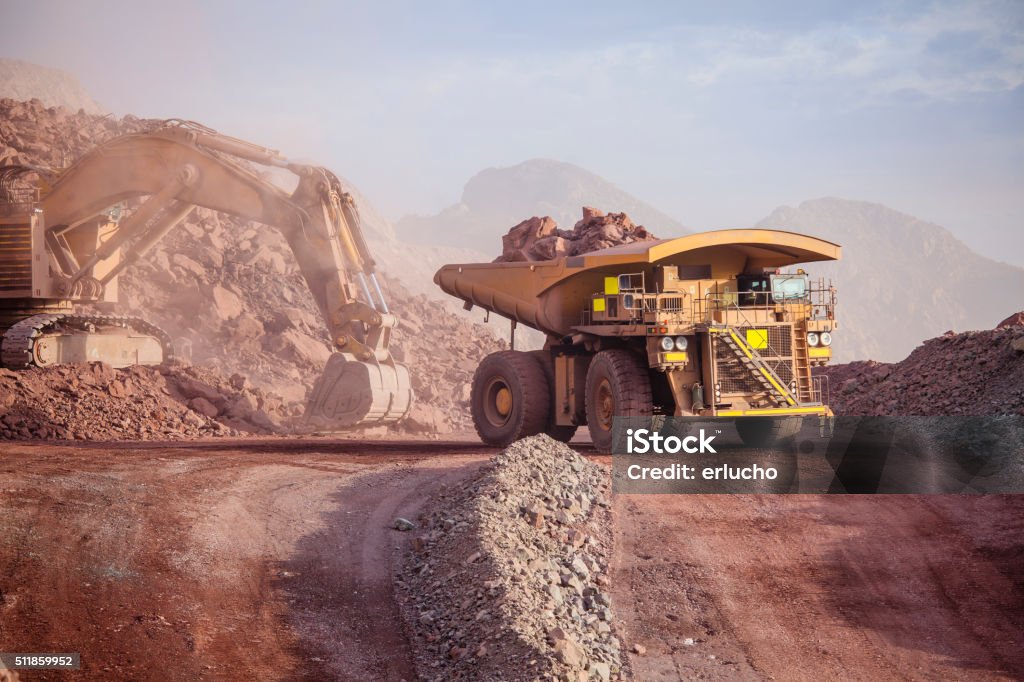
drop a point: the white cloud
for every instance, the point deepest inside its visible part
(880, 58)
(944, 53)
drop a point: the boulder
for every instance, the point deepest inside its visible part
(204, 406)
(300, 347)
(1015, 320)
(426, 419)
(226, 304)
(246, 328)
(540, 239)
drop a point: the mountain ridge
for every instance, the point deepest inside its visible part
(901, 279)
(23, 81)
(496, 198)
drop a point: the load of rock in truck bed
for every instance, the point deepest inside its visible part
(540, 239)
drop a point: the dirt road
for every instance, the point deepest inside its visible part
(274, 559)
(256, 560)
(822, 587)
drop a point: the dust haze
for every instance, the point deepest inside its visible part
(714, 116)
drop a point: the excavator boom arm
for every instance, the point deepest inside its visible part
(183, 165)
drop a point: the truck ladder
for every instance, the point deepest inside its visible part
(802, 363)
(751, 360)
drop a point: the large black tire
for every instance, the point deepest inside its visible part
(618, 384)
(766, 432)
(510, 398)
(556, 431)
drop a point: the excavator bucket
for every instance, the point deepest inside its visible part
(351, 393)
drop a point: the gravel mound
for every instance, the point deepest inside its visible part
(540, 239)
(973, 373)
(97, 402)
(507, 579)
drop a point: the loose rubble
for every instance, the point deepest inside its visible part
(230, 293)
(96, 402)
(507, 579)
(540, 239)
(973, 373)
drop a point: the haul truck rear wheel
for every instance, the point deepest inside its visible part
(510, 398)
(618, 385)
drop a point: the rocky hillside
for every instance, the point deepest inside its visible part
(901, 280)
(497, 198)
(135, 403)
(24, 81)
(973, 373)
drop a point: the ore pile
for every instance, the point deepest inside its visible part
(53, 137)
(97, 402)
(540, 239)
(507, 580)
(230, 293)
(973, 373)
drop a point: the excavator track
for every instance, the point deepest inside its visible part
(18, 349)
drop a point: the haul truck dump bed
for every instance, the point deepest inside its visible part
(702, 325)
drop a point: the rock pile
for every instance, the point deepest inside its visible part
(1015, 320)
(53, 137)
(229, 291)
(97, 402)
(507, 579)
(540, 238)
(973, 373)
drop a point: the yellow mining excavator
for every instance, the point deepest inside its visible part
(62, 244)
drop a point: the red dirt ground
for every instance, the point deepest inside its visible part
(273, 559)
(253, 560)
(812, 587)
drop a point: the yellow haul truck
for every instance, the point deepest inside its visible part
(706, 325)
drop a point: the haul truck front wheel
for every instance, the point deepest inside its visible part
(510, 398)
(618, 385)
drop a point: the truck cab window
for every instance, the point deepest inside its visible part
(789, 287)
(753, 290)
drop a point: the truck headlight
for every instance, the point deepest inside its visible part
(667, 344)
(826, 339)
(812, 338)
(681, 343)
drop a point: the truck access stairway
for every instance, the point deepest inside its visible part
(802, 364)
(751, 360)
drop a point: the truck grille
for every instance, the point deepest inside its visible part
(735, 378)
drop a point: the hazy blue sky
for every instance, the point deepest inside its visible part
(715, 113)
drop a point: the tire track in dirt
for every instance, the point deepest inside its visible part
(196, 563)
